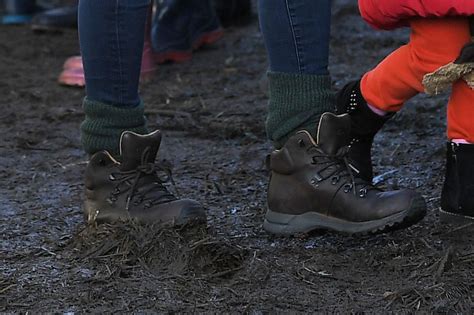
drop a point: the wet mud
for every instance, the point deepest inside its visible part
(212, 113)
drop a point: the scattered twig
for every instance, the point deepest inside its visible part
(48, 251)
(65, 166)
(26, 146)
(223, 273)
(462, 227)
(395, 150)
(7, 288)
(199, 243)
(444, 262)
(382, 177)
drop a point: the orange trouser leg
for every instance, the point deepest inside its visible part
(433, 43)
(461, 112)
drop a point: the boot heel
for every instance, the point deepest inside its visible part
(288, 224)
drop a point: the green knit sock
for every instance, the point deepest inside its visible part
(104, 124)
(296, 103)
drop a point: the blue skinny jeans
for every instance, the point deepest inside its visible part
(111, 34)
(296, 34)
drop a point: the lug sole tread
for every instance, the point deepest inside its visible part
(403, 219)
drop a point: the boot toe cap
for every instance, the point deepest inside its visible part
(173, 213)
(406, 203)
(191, 211)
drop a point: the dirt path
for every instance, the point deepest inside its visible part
(211, 111)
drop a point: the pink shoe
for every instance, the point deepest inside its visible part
(74, 62)
(72, 77)
(73, 70)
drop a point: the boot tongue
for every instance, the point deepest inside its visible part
(132, 147)
(334, 132)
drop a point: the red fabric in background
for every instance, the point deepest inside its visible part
(390, 14)
(433, 43)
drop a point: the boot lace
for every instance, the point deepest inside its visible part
(339, 167)
(152, 190)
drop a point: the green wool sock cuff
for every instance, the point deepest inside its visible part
(104, 124)
(296, 103)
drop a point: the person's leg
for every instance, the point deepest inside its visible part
(457, 197)
(296, 34)
(383, 90)
(121, 181)
(111, 35)
(433, 43)
(461, 113)
(310, 185)
(73, 71)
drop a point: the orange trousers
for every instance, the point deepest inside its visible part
(433, 43)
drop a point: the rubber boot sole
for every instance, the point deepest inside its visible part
(93, 215)
(454, 218)
(287, 224)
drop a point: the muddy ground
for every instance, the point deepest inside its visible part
(212, 112)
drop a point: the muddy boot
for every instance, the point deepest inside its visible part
(132, 189)
(364, 125)
(457, 197)
(313, 186)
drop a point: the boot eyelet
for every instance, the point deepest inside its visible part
(347, 188)
(335, 180)
(318, 177)
(315, 181)
(354, 140)
(363, 193)
(112, 177)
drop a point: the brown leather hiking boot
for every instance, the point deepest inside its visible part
(132, 189)
(314, 186)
